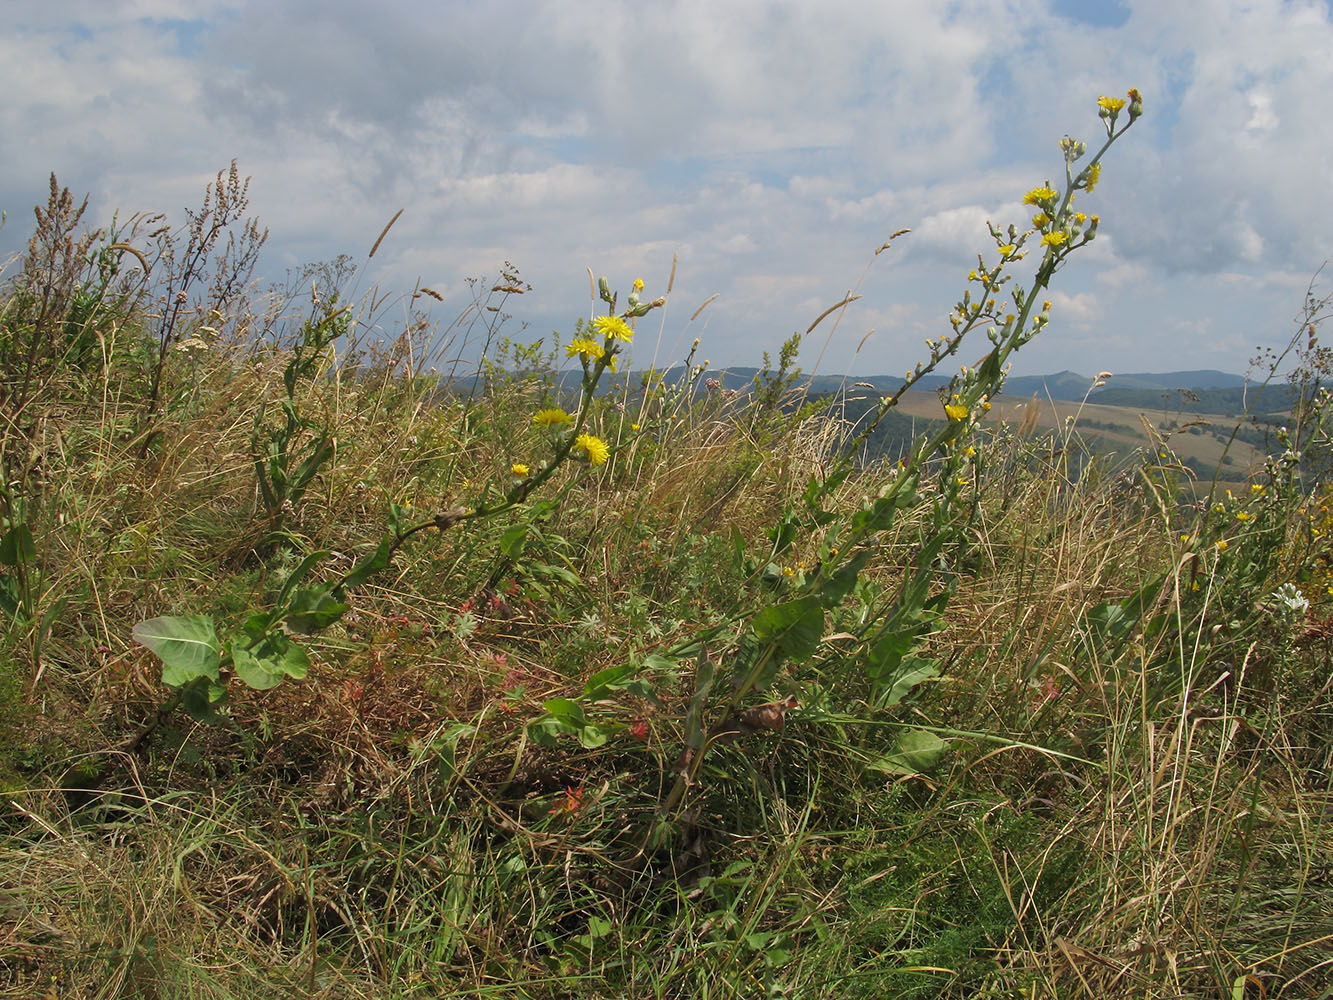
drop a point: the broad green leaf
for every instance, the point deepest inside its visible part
(371, 564)
(656, 661)
(565, 576)
(796, 626)
(513, 540)
(321, 451)
(260, 674)
(887, 652)
(297, 575)
(313, 608)
(295, 662)
(913, 672)
(592, 736)
(813, 493)
(11, 602)
(842, 581)
(879, 515)
(283, 655)
(187, 645)
(545, 731)
(17, 546)
(1117, 620)
(604, 681)
(198, 699)
(256, 626)
(566, 710)
(918, 751)
(775, 619)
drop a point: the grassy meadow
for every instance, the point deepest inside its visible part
(336, 664)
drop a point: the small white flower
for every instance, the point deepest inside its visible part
(1290, 600)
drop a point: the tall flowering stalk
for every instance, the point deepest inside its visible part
(763, 640)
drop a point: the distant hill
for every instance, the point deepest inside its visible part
(1065, 386)
(1200, 391)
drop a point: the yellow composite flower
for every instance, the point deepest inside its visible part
(519, 469)
(588, 348)
(1056, 238)
(956, 411)
(552, 417)
(1111, 105)
(1040, 196)
(594, 448)
(614, 327)
(638, 284)
(1093, 175)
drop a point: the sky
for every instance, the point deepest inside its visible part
(769, 148)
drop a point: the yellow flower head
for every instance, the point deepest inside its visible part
(1092, 175)
(1222, 545)
(519, 469)
(1056, 238)
(614, 327)
(1041, 196)
(1109, 105)
(552, 417)
(1040, 219)
(593, 448)
(1080, 218)
(634, 427)
(588, 348)
(956, 411)
(1006, 250)
(638, 284)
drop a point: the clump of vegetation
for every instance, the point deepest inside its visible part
(349, 668)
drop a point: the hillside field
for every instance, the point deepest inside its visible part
(339, 663)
